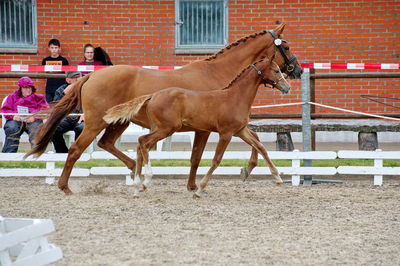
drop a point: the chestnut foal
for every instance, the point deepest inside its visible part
(224, 111)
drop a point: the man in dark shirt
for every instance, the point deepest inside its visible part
(55, 58)
(69, 123)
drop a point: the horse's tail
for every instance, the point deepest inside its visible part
(58, 112)
(125, 111)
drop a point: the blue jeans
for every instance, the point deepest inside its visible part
(66, 125)
(14, 129)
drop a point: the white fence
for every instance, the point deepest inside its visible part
(295, 170)
(23, 242)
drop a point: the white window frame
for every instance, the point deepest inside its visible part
(13, 46)
(199, 48)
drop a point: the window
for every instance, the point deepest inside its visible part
(18, 26)
(201, 26)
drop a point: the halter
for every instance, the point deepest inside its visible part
(278, 42)
(265, 79)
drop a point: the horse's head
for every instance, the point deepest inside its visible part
(271, 74)
(284, 57)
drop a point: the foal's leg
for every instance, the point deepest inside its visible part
(146, 142)
(200, 141)
(249, 138)
(138, 171)
(245, 172)
(219, 152)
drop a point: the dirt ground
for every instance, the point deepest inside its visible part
(236, 223)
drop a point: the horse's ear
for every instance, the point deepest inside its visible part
(271, 59)
(279, 29)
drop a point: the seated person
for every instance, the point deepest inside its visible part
(69, 123)
(23, 100)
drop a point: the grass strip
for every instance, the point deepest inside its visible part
(280, 163)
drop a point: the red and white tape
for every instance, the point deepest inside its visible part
(49, 68)
(349, 66)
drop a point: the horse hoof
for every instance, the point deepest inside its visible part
(143, 189)
(244, 173)
(67, 191)
(191, 188)
(279, 183)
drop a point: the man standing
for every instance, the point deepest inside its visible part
(55, 59)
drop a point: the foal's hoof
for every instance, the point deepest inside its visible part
(136, 194)
(280, 183)
(244, 173)
(143, 188)
(198, 194)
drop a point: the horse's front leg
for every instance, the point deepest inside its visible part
(74, 152)
(200, 141)
(138, 171)
(253, 161)
(219, 152)
(145, 143)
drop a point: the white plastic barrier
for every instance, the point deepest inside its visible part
(23, 242)
(377, 170)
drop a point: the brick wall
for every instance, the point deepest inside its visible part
(143, 33)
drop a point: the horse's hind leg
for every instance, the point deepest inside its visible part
(75, 151)
(219, 152)
(107, 141)
(200, 141)
(249, 138)
(253, 161)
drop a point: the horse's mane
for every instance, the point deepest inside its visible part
(236, 43)
(241, 73)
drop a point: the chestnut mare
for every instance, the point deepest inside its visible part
(105, 88)
(224, 111)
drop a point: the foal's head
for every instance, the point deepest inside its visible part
(271, 74)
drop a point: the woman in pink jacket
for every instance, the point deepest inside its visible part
(23, 100)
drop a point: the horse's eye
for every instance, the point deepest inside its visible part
(276, 71)
(287, 48)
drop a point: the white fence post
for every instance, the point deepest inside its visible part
(378, 179)
(295, 164)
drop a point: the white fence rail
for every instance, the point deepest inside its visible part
(295, 170)
(377, 170)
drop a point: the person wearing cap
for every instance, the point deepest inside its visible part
(69, 123)
(23, 100)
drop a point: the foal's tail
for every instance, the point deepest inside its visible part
(125, 111)
(58, 112)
